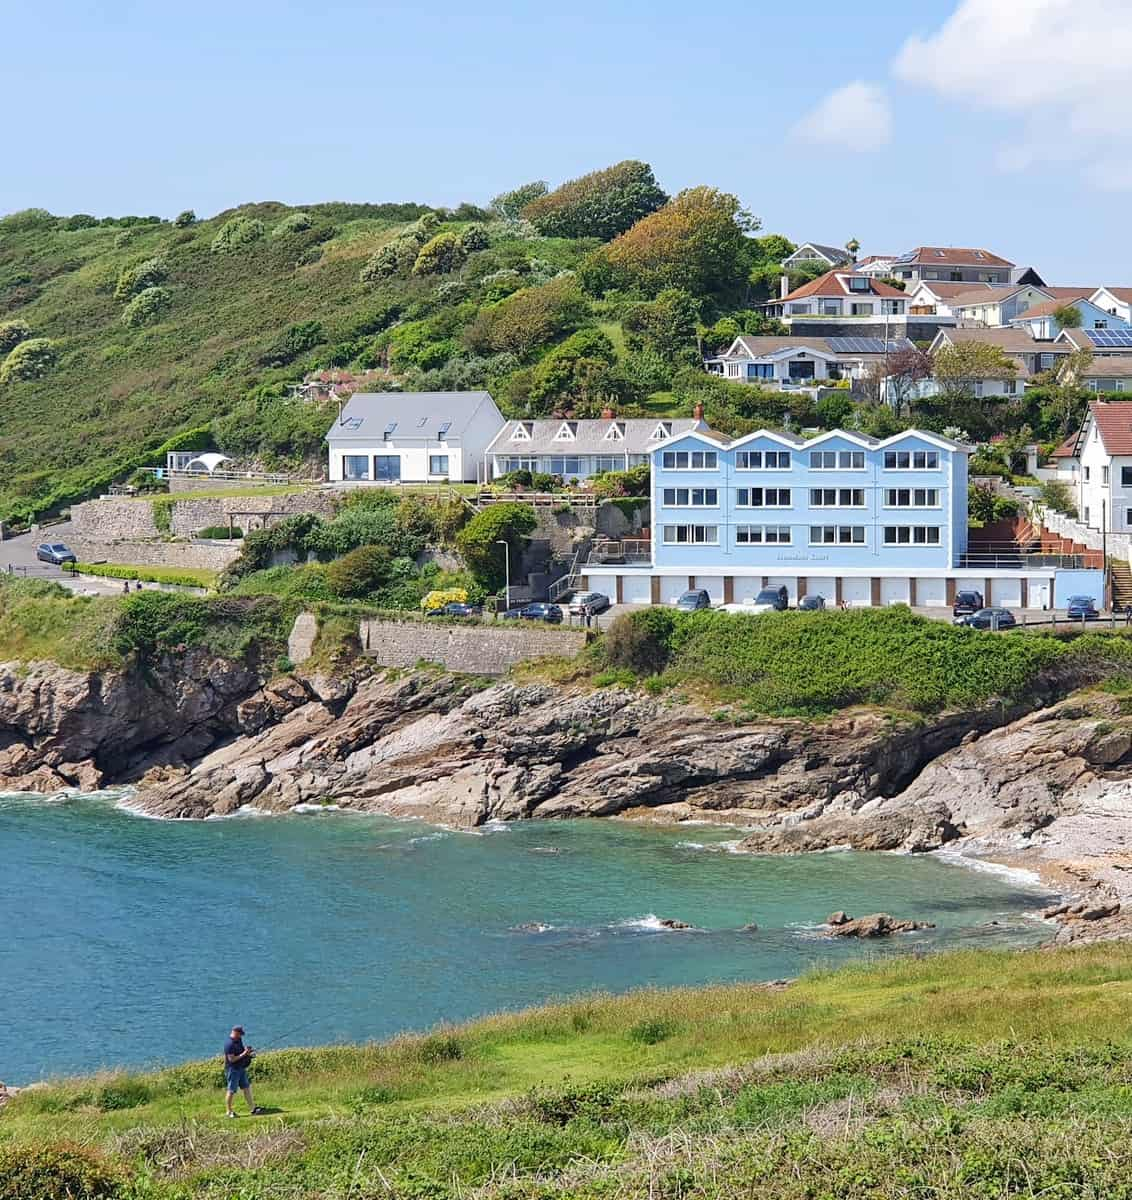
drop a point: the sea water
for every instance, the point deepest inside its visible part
(134, 942)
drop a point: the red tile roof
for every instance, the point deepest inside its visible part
(1114, 423)
(832, 283)
(1068, 448)
(954, 256)
(1068, 293)
(1121, 293)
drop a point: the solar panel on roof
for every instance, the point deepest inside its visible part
(867, 345)
(1110, 337)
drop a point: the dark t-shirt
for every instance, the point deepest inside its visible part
(234, 1045)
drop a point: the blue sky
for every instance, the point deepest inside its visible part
(962, 122)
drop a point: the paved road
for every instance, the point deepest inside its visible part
(17, 557)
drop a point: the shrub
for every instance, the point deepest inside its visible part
(220, 532)
(641, 641)
(530, 318)
(80, 221)
(651, 1031)
(297, 222)
(26, 220)
(1057, 495)
(440, 1048)
(60, 1171)
(295, 341)
(511, 204)
(359, 572)
(239, 231)
(132, 280)
(184, 219)
(28, 360)
(441, 254)
(612, 484)
(146, 307)
(122, 1092)
(477, 541)
(474, 238)
(601, 204)
(12, 333)
(182, 576)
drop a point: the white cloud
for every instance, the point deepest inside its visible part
(1063, 68)
(855, 117)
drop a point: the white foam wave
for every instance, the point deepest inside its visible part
(650, 923)
(318, 808)
(714, 847)
(1023, 875)
(532, 927)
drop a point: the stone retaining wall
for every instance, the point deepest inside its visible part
(211, 556)
(472, 649)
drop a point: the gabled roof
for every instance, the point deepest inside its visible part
(852, 436)
(590, 436)
(950, 291)
(833, 253)
(832, 283)
(952, 256)
(409, 416)
(1109, 366)
(1010, 338)
(1113, 419)
(1121, 293)
(1048, 307)
(989, 293)
(1068, 448)
(750, 345)
(869, 259)
(1068, 293)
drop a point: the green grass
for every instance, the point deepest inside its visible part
(613, 331)
(184, 576)
(966, 1074)
(229, 493)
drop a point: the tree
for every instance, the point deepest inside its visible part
(697, 242)
(773, 248)
(905, 369)
(473, 238)
(1066, 398)
(851, 247)
(146, 307)
(31, 359)
(528, 319)
(439, 255)
(569, 369)
(1068, 316)
(477, 541)
(297, 222)
(511, 204)
(957, 369)
(239, 231)
(601, 204)
(12, 333)
(666, 325)
(359, 572)
(184, 219)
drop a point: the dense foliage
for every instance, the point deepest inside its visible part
(601, 204)
(479, 541)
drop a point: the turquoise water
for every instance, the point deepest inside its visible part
(125, 941)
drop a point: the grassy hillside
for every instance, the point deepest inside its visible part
(964, 1075)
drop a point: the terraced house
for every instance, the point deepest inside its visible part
(859, 521)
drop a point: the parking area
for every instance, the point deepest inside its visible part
(17, 557)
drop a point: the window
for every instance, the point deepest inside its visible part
(831, 308)
(911, 460)
(1085, 471)
(1125, 477)
(438, 464)
(1128, 517)
(691, 497)
(509, 464)
(758, 535)
(565, 432)
(837, 460)
(691, 535)
(608, 462)
(355, 466)
(837, 497)
(1086, 514)
(760, 370)
(690, 460)
(734, 370)
(911, 535)
(1045, 361)
(859, 283)
(521, 434)
(861, 310)
(1093, 385)
(762, 497)
(1118, 385)
(567, 465)
(1102, 324)
(978, 387)
(762, 460)
(1010, 387)
(387, 468)
(615, 433)
(837, 535)
(1104, 474)
(911, 497)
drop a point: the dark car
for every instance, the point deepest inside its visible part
(773, 600)
(991, 618)
(811, 604)
(541, 612)
(55, 552)
(584, 604)
(455, 608)
(1081, 606)
(966, 604)
(693, 600)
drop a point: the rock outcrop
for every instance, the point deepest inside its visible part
(875, 925)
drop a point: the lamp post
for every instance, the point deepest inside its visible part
(507, 573)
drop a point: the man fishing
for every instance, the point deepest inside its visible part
(237, 1057)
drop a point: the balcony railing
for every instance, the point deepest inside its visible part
(1021, 560)
(627, 550)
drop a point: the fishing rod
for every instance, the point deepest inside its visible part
(291, 1032)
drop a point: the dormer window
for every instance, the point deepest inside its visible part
(661, 432)
(389, 429)
(566, 432)
(979, 254)
(615, 432)
(940, 254)
(858, 283)
(522, 432)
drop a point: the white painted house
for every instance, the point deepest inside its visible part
(412, 437)
(1104, 450)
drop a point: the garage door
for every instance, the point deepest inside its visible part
(857, 592)
(606, 584)
(823, 586)
(1006, 592)
(789, 582)
(747, 587)
(894, 591)
(672, 587)
(636, 589)
(931, 593)
(713, 585)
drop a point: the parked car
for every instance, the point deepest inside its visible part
(991, 618)
(455, 608)
(541, 612)
(811, 604)
(693, 600)
(772, 600)
(1081, 606)
(56, 553)
(584, 604)
(966, 603)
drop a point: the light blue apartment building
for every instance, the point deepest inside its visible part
(857, 520)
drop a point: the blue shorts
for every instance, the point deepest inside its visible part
(237, 1078)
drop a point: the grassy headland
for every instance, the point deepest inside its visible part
(967, 1074)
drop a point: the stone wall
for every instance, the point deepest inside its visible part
(211, 556)
(472, 649)
(113, 517)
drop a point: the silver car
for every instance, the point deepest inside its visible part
(584, 604)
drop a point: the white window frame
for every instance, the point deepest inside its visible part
(763, 492)
(836, 539)
(917, 535)
(689, 500)
(911, 456)
(764, 535)
(688, 456)
(912, 501)
(763, 455)
(667, 538)
(839, 457)
(838, 500)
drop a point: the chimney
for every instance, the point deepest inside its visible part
(698, 412)
(784, 286)
(607, 413)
